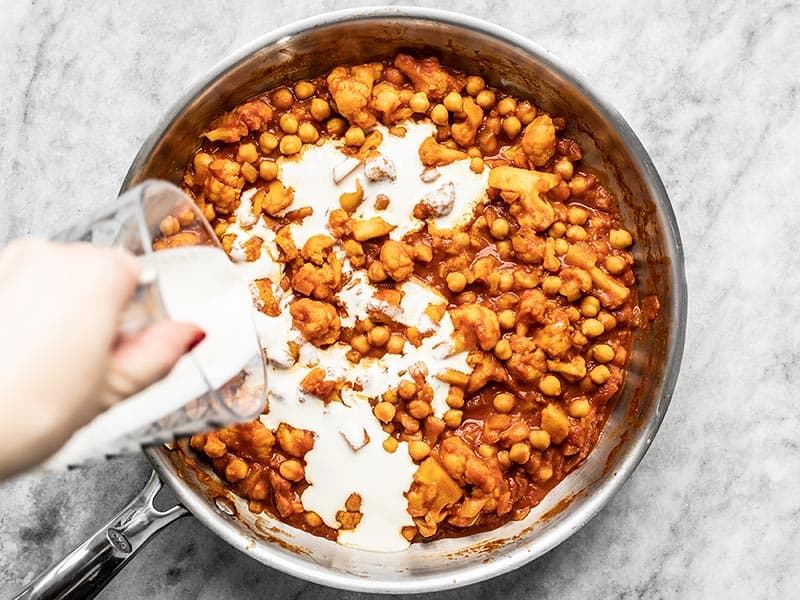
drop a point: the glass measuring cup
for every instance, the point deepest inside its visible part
(195, 396)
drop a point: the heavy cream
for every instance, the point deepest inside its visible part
(314, 175)
(348, 455)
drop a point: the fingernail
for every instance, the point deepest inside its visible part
(198, 337)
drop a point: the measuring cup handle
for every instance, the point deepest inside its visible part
(85, 571)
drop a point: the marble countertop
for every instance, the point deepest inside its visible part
(714, 508)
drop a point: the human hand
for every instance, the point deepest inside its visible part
(61, 359)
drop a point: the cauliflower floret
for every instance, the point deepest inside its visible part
(318, 322)
(464, 133)
(539, 140)
(428, 76)
(224, 184)
(537, 212)
(433, 154)
(351, 89)
(397, 260)
(476, 325)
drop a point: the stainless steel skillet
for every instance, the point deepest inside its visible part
(311, 47)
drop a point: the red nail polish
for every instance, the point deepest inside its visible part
(198, 337)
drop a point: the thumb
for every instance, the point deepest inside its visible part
(147, 356)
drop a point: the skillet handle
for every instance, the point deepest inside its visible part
(85, 571)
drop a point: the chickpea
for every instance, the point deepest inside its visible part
(550, 385)
(475, 85)
(526, 112)
(169, 225)
(312, 519)
(185, 216)
(476, 164)
(519, 453)
(220, 229)
(456, 282)
(564, 168)
(608, 320)
(214, 447)
(360, 344)
(379, 336)
(619, 239)
(452, 418)
(525, 279)
(615, 264)
(282, 99)
(485, 99)
(418, 450)
(354, 136)
(512, 126)
(539, 439)
(590, 306)
(506, 281)
(292, 470)
(576, 233)
(504, 249)
(247, 153)
(592, 328)
(506, 106)
(487, 450)
(384, 412)
(395, 344)
(439, 114)
(579, 185)
(288, 123)
(455, 397)
(507, 319)
(600, 374)
(603, 353)
(557, 229)
(407, 389)
(304, 89)
(551, 284)
(320, 109)
(268, 170)
(543, 474)
(209, 212)
(268, 142)
(236, 470)
(577, 215)
(290, 144)
(419, 409)
(390, 445)
(488, 143)
(335, 127)
(419, 102)
(561, 246)
(502, 349)
(579, 408)
(503, 402)
(308, 133)
(390, 396)
(499, 229)
(453, 102)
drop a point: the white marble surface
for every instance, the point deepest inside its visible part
(713, 92)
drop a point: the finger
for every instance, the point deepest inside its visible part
(149, 355)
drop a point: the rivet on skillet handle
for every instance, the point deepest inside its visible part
(85, 571)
